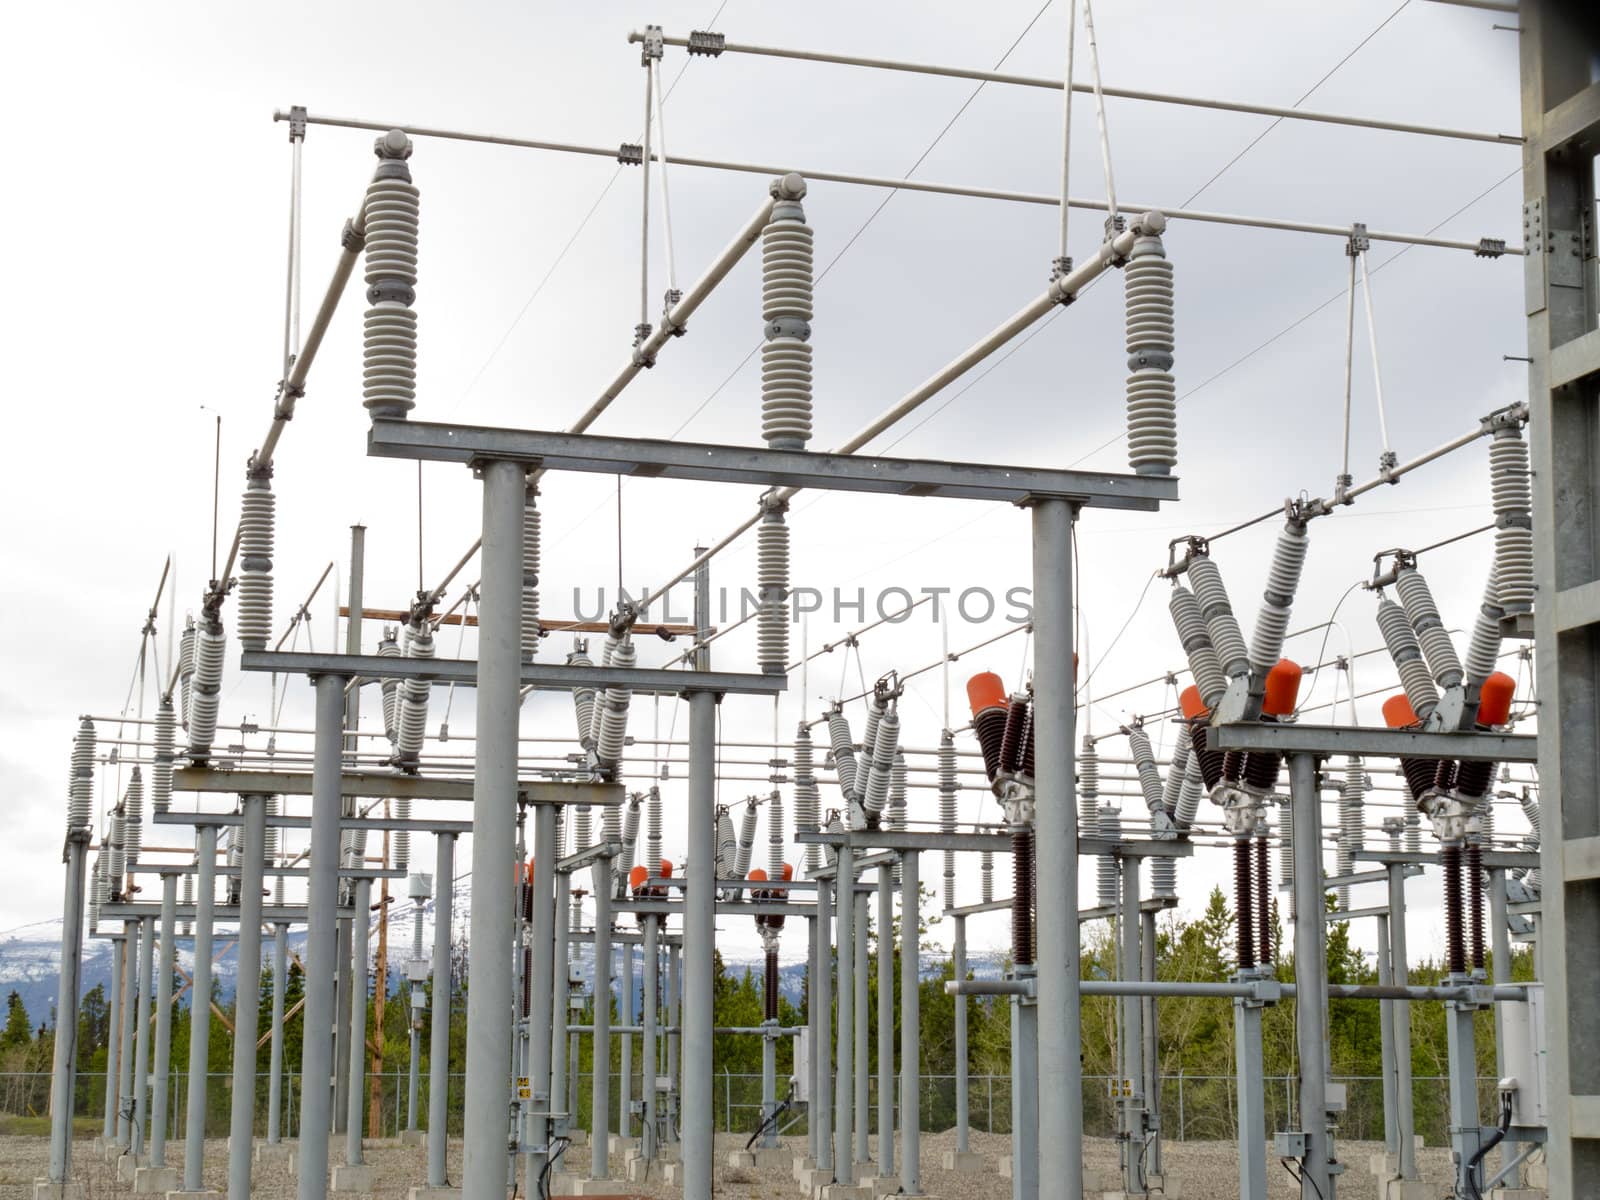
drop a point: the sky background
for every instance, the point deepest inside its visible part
(148, 218)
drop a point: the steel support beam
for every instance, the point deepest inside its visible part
(1311, 978)
(1326, 740)
(439, 1008)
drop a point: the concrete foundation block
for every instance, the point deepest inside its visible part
(276, 1155)
(413, 1137)
(351, 1178)
(432, 1193)
(594, 1187)
(1517, 1193)
(636, 1169)
(127, 1164)
(798, 1163)
(1169, 1185)
(43, 1189)
(156, 1181)
(845, 1191)
(1403, 1189)
(773, 1157)
(616, 1143)
(812, 1178)
(1093, 1180)
(742, 1160)
(672, 1173)
(964, 1162)
(884, 1185)
(578, 1137)
(203, 1194)
(1003, 1166)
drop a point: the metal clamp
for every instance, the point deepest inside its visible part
(297, 124)
(703, 41)
(1358, 241)
(630, 154)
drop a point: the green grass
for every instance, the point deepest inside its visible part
(12, 1125)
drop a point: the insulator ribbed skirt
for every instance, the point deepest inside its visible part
(747, 840)
(583, 702)
(775, 839)
(133, 819)
(1512, 487)
(1283, 580)
(772, 585)
(807, 796)
(949, 789)
(885, 742)
(162, 758)
(652, 829)
(1149, 774)
(727, 845)
(185, 670)
(1437, 648)
(389, 648)
(531, 522)
(1108, 874)
(614, 710)
(1484, 648)
(786, 309)
(257, 517)
(414, 694)
(844, 755)
(390, 362)
(1406, 652)
(211, 645)
(1152, 391)
(1217, 612)
(80, 788)
(1189, 796)
(897, 798)
(1172, 788)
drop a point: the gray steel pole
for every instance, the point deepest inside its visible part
(1404, 1096)
(885, 1022)
(958, 956)
(63, 1085)
(1311, 978)
(600, 1076)
(699, 918)
(439, 1009)
(561, 997)
(625, 1000)
(343, 1042)
(1132, 1033)
(280, 966)
(141, 1036)
(863, 1061)
(194, 1125)
(316, 1041)
(910, 1025)
(246, 1016)
(414, 1067)
(812, 1036)
(844, 1054)
(163, 1063)
(130, 995)
(674, 1036)
(360, 946)
(1025, 1133)
(113, 1043)
(1060, 1074)
(1250, 1071)
(1500, 942)
(1152, 1048)
(652, 979)
(494, 816)
(1462, 1070)
(822, 1048)
(769, 1084)
(1391, 1129)
(543, 985)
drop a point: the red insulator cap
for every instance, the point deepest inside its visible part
(666, 868)
(1283, 688)
(1398, 713)
(637, 876)
(986, 690)
(757, 875)
(1494, 699)
(1193, 707)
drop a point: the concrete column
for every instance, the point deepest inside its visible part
(194, 1126)
(246, 1019)
(439, 1008)
(1060, 1074)
(316, 1049)
(130, 998)
(494, 804)
(169, 963)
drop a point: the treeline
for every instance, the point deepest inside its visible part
(1197, 1041)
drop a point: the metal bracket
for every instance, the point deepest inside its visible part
(1358, 242)
(652, 46)
(703, 41)
(297, 123)
(1489, 247)
(630, 154)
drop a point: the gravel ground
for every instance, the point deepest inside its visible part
(1202, 1170)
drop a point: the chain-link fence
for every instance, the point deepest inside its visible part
(1192, 1108)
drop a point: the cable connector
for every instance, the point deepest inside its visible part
(630, 154)
(350, 240)
(1490, 248)
(652, 45)
(297, 123)
(703, 41)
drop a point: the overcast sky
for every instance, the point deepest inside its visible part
(147, 215)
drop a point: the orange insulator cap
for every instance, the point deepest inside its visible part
(1282, 689)
(757, 875)
(788, 872)
(666, 868)
(1193, 707)
(1398, 713)
(986, 690)
(637, 876)
(1494, 699)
